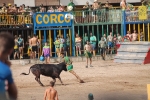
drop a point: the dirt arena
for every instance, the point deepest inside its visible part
(106, 80)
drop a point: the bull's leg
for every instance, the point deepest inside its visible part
(60, 80)
(54, 80)
(38, 80)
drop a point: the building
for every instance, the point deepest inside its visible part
(33, 3)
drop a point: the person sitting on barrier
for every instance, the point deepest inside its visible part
(62, 44)
(16, 49)
(78, 45)
(88, 54)
(33, 44)
(57, 46)
(68, 62)
(110, 43)
(47, 53)
(10, 8)
(93, 42)
(21, 46)
(102, 45)
(134, 36)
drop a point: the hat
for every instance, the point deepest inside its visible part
(9, 4)
(95, 0)
(90, 96)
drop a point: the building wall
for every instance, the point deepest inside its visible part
(6, 1)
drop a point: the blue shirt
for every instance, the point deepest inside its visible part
(5, 74)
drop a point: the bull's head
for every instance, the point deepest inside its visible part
(63, 65)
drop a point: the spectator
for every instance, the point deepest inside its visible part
(68, 44)
(93, 42)
(50, 9)
(62, 42)
(61, 8)
(119, 38)
(88, 54)
(57, 46)
(51, 93)
(71, 6)
(16, 49)
(102, 45)
(95, 7)
(10, 10)
(6, 48)
(78, 44)
(86, 12)
(21, 46)
(28, 9)
(47, 53)
(141, 35)
(134, 36)
(15, 9)
(42, 8)
(129, 34)
(56, 9)
(110, 42)
(123, 4)
(3, 9)
(85, 38)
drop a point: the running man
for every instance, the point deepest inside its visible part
(51, 93)
(110, 42)
(88, 54)
(68, 62)
(21, 46)
(46, 52)
(33, 44)
(93, 42)
(78, 44)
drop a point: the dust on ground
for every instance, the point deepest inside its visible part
(106, 80)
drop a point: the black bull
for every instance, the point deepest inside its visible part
(50, 70)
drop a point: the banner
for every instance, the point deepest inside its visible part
(52, 19)
(142, 11)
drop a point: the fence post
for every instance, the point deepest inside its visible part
(124, 23)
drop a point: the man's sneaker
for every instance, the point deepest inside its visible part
(86, 66)
(81, 81)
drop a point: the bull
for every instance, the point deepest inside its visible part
(49, 70)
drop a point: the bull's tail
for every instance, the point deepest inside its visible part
(25, 73)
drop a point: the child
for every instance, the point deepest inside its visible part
(87, 52)
(46, 53)
(6, 48)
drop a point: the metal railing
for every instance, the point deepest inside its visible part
(98, 16)
(7, 19)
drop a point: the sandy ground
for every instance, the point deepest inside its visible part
(106, 80)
